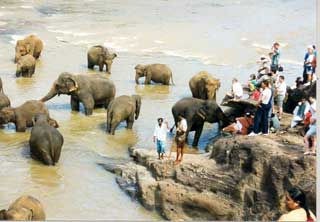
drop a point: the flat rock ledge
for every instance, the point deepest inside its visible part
(241, 178)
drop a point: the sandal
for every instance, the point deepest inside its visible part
(313, 153)
(306, 153)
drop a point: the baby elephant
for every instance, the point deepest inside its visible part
(45, 141)
(123, 108)
(100, 55)
(24, 208)
(26, 66)
(4, 100)
(29, 45)
(22, 116)
(158, 73)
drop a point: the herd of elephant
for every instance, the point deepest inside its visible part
(97, 90)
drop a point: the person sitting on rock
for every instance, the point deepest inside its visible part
(180, 138)
(300, 112)
(252, 83)
(160, 136)
(241, 126)
(264, 68)
(236, 90)
(297, 204)
(274, 123)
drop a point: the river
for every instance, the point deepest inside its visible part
(224, 37)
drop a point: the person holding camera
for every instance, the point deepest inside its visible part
(275, 57)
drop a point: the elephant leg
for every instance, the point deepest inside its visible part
(147, 79)
(74, 104)
(21, 126)
(90, 65)
(197, 135)
(101, 67)
(30, 71)
(46, 158)
(88, 103)
(114, 126)
(130, 122)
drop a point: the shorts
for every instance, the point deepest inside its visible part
(280, 99)
(160, 146)
(312, 130)
(274, 68)
(309, 70)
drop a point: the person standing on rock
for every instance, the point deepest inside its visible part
(275, 56)
(296, 202)
(281, 90)
(180, 138)
(264, 107)
(160, 136)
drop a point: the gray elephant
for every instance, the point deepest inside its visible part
(31, 45)
(100, 55)
(24, 208)
(92, 91)
(45, 141)
(204, 86)
(26, 66)
(123, 108)
(197, 112)
(158, 73)
(23, 115)
(4, 99)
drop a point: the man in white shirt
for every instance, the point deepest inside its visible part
(261, 116)
(160, 136)
(237, 91)
(281, 90)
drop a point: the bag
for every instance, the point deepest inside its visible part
(306, 121)
(280, 69)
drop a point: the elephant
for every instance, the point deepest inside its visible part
(24, 208)
(158, 73)
(123, 108)
(196, 112)
(204, 86)
(294, 96)
(22, 116)
(45, 141)
(29, 45)
(26, 66)
(90, 90)
(100, 55)
(4, 99)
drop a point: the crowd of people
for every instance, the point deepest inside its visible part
(269, 88)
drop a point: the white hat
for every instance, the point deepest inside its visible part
(310, 47)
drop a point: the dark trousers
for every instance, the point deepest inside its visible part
(261, 118)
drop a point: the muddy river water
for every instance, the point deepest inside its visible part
(223, 37)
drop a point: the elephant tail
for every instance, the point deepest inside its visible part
(172, 79)
(109, 118)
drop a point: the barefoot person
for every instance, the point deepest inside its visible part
(180, 138)
(296, 202)
(160, 136)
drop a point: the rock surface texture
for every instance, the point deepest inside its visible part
(241, 178)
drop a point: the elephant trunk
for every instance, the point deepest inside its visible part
(52, 93)
(17, 57)
(137, 79)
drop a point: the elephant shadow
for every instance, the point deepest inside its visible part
(153, 91)
(25, 83)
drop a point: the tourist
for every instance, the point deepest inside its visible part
(236, 91)
(160, 137)
(274, 123)
(252, 83)
(309, 65)
(314, 62)
(298, 83)
(297, 204)
(264, 68)
(300, 112)
(275, 57)
(312, 131)
(281, 90)
(180, 138)
(264, 107)
(241, 126)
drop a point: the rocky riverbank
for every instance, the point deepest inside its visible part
(240, 178)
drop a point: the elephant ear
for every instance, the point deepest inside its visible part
(71, 84)
(3, 214)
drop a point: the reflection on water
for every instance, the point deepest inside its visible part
(189, 36)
